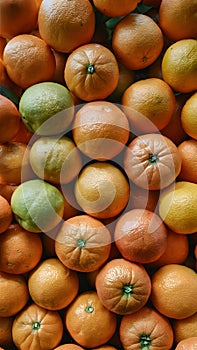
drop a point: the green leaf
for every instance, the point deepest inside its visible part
(5, 91)
(141, 8)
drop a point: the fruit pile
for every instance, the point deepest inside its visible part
(98, 175)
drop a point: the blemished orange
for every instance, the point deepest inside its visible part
(140, 236)
(17, 17)
(176, 252)
(102, 190)
(185, 328)
(56, 292)
(9, 120)
(14, 294)
(69, 347)
(188, 152)
(6, 331)
(37, 328)
(146, 328)
(177, 19)
(189, 116)
(152, 161)
(91, 72)
(173, 291)
(5, 214)
(123, 287)
(83, 243)
(100, 130)
(141, 198)
(20, 250)
(179, 66)
(14, 163)
(28, 60)
(174, 129)
(112, 8)
(66, 25)
(149, 105)
(88, 322)
(178, 207)
(137, 41)
(187, 344)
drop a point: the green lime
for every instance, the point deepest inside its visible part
(56, 160)
(47, 108)
(37, 205)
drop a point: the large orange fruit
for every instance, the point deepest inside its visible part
(173, 291)
(179, 66)
(65, 25)
(177, 19)
(185, 328)
(189, 116)
(100, 130)
(149, 105)
(17, 17)
(140, 236)
(83, 243)
(37, 328)
(178, 207)
(123, 287)
(188, 152)
(6, 331)
(14, 294)
(137, 41)
(89, 323)
(91, 72)
(30, 55)
(102, 190)
(146, 329)
(152, 161)
(187, 344)
(54, 292)
(20, 250)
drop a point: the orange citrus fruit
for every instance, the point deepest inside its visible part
(173, 291)
(140, 236)
(91, 72)
(188, 152)
(5, 214)
(179, 66)
(17, 17)
(20, 250)
(177, 19)
(152, 161)
(185, 328)
(123, 286)
(146, 329)
(178, 207)
(189, 116)
(88, 322)
(37, 328)
(187, 344)
(102, 190)
(14, 294)
(112, 8)
(137, 41)
(28, 60)
(9, 120)
(65, 25)
(100, 130)
(56, 292)
(83, 243)
(149, 105)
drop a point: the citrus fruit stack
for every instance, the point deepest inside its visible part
(98, 175)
